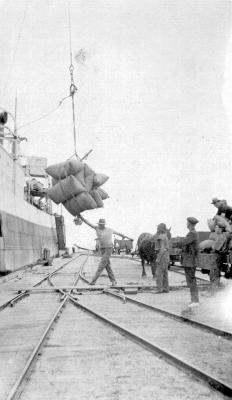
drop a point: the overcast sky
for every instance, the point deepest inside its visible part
(154, 101)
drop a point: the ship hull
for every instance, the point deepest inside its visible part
(23, 242)
(25, 231)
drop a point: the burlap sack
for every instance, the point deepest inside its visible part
(99, 179)
(88, 170)
(54, 181)
(222, 221)
(62, 170)
(89, 177)
(81, 177)
(89, 182)
(65, 189)
(82, 202)
(206, 244)
(103, 194)
(211, 224)
(213, 236)
(96, 196)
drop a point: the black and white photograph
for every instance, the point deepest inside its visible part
(116, 200)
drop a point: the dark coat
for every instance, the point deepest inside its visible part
(190, 249)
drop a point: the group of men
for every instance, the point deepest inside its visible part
(189, 246)
(190, 253)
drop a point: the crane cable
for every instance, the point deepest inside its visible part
(73, 87)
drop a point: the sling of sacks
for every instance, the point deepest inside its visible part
(208, 244)
(76, 186)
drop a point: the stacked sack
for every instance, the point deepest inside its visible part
(209, 243)
(76, 186)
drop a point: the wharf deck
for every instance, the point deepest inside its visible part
(83, 358)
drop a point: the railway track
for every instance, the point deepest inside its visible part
(178, 271)
(24, 293)
(132, 321)
(24, 376)
(169, 314)
(212, 380)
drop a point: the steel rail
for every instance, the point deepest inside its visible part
(182, 273)
(212, 381)
(73, 287)
(20, 383)
(140, 288)
(170, 314)
(170, 270)
(26, 292)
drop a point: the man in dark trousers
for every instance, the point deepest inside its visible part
(190, 257)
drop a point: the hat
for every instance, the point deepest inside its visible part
(161, 227)
(215, 200)
(192, 220)
(101, 221)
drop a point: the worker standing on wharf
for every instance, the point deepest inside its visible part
(190, 254)
(105, 238)
(219, 249)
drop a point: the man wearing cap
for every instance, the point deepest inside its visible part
(162, 260)
(223, 209)
(105, 238)
(190, 256)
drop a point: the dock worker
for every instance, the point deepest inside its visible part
(162, 260)
(223, 208)
(105, 239)
(190, 258)
(219, 249)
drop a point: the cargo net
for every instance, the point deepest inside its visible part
(76, 186)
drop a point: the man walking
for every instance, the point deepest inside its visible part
(190, 255)
(105, 238)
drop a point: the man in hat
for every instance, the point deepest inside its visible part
(223, 209)
(105, 239)
(190, 257)
(162, 260)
